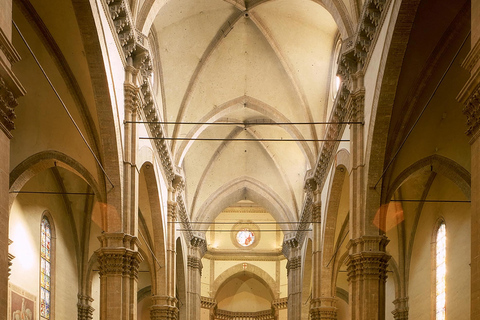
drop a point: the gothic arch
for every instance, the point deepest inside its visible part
(398, 33)
(341, 169)
(241, 188)
(159, 249)
(41, 161)
(435, 163)
(257, 272)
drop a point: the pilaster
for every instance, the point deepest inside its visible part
(469, 96)
(196, 251)
(118, 269)
(294, 275)
(367, 273)
(10, 90)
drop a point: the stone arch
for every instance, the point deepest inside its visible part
(181, 278)
(159, 240)
(398, 33)
(435, 163)
(238, 104)
(340, 170)
(257, 272)
(238, 189)
(337, 8)
(41, 161)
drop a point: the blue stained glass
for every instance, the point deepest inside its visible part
(45, 288)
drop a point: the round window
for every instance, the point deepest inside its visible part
(245, 237)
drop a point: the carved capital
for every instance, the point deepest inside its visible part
(163, 312)
(172, 211)
(163, 308)
(10, 259)
(7, 107)
(401, 309)
(118, 261)
(84, 308)
(472, 111)
(323, 313)
(132, 101)
(194, 263)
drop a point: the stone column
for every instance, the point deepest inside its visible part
(130, 197)
(165, 306)
(294, 274)
(85, 310)
(118, 265)
(320, 307)
(367, 261)
(470, 97)
(401, 309)
(196, 250)
(10, 90)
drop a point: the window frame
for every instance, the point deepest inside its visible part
(46, 215)
(439, 223)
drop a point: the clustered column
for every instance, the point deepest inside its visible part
(196, 251)
(470, 97)
(294, 274)
(165, 306)
(367, 262)
(10, 90)
(320, 307)
(118, 263)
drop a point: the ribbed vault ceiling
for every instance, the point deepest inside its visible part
(230, 61)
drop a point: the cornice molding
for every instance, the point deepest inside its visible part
(7, 49)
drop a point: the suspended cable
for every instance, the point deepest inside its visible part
(54, 192)
(259, 123)
(63, 104)
(431, 201)
(149, 249)
(338, 248)
(245, 223)
(423, 110)
(206, 230)
(241, 139)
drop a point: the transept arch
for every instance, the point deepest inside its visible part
(239, 189)
(255, 271)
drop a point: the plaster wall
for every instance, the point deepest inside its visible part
(25, 218)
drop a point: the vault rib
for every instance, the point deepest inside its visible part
(234, 133)
(214, 44)
(336, 8)
(287, 67)
(253, 104)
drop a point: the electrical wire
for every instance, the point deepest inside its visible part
(63, 104)
(423, 110)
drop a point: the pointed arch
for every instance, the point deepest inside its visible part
(256, 272)
(238, 189)
(251, 103)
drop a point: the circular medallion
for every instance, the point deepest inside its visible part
(245, 237)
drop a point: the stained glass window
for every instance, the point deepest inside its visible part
(440, 273)
(45, 277)
(245, 237)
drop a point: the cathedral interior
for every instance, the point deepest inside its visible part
(239, 159)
